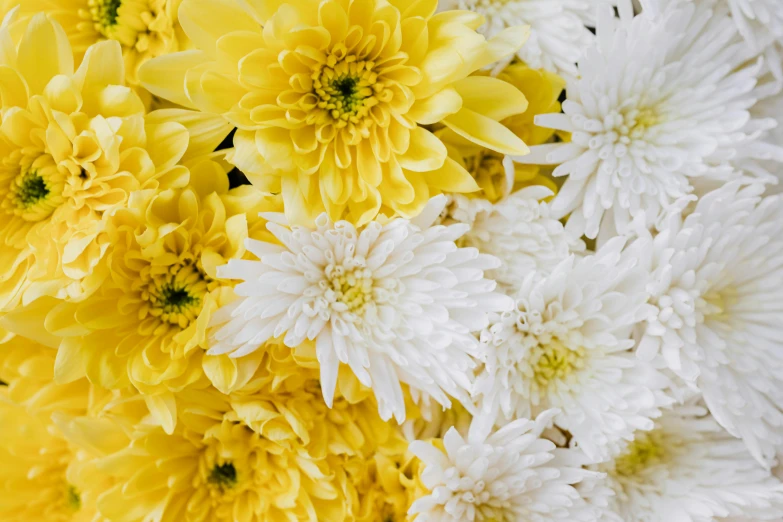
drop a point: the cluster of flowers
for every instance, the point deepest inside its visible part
(391, 260)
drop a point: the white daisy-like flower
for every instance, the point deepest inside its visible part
(662, 101)
(520, 231)
(567, 345)
(689, 469)
(510, 474)
(558, 35)
(717, 286)
(395, 302)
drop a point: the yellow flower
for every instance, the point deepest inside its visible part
(144, 28)
(332, 99)
(146, 325)
(270, 456)
(496, 174)
(73, 145)
(39, 476)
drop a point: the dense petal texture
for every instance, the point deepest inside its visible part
(395, 302)
(333, 100)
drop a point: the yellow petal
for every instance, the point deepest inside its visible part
(164, 76)
(425, 152)
(221, 371)
(451, 177)
(68, 365)
(163, 407)
(102, 65)
(486, 132)
(503, 45)
(13, 91)
(433, 109)
(205, 21)
(491, 97)
(206, 130)
(44, 52)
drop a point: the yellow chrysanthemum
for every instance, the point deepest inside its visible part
(144, 28)
(272, 453)
(496, 174)
(146, 324)
(39, 476)
(73, 145)
(332, 98)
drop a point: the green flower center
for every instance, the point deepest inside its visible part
(32, 189)
(73, 499)
(176, 297)
(647, 449)
(104, 12)
(555, 362)
(223, 476)
(346, 88)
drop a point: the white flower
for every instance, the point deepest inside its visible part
(512, 474)
(395, 302)
(567, 345)
(718, 289)
(558, 35)
(662, 102)
(521, 233)
(688, 469)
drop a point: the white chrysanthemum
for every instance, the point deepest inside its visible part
(567, 345)
(558, 35)
(718, 289)
(689, 469)
(520, 232)
(662, 102)
(760, 22)
(395, 302)
(512, 474)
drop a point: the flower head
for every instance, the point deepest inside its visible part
(73, 146)
(395, 302)
(146, 324)
(509, 474)
(333, 99)
(715, 288)
(662, 103)
(567, 345)
(144, 28)
(716, 478)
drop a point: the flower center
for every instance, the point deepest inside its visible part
(223, 476)
(555, 362)
(349, 290)
(72, 498)
(630, 126)
(175, 297)
(647, 449)
(104, 13)
(717, 304)
(346, 89)
(490, 174)
(32, 195)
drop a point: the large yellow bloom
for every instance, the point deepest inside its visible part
(272, 453)
(333, 98)
(40, 475)
(146, 324)
(73, 145)
(144, 28)
(496, 174)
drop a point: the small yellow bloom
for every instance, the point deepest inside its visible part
(73, 145)
(144, 28)
(333, 99)
(146, 324)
